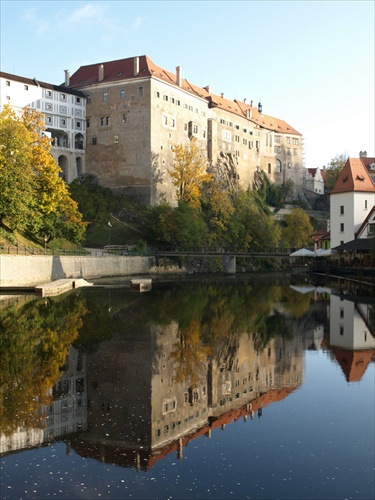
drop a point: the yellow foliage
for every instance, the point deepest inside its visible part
(188, 173)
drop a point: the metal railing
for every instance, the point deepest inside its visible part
(23, 250)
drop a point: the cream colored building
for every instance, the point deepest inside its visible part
(137, 111)
(64, 113)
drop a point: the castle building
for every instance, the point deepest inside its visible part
(137, 112)
(64, 112)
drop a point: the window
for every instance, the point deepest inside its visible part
(26, 87)
(237, 138)
(62, 109)
(48, 93)
(122, 94)
(365, 204)
(195, 128)
(78, 100)
(94, 142)
(105, 96)
(48, 119)
(244, 142)
(296, 142)
(63, 97)
(277, 138)
(124, 118)
(104, 121)
(277, 149)
(140, 90)
(295, 152)
(342, 210)
(78, 124)
(288, 140)
(88, 123)
(49, 107)
(157, 94)
(341, 227)
(269, 168)
(63, 122)
(7, 83)
(165, 97)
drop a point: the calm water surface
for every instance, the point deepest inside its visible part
(192, 390)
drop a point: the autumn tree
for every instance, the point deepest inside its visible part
(298, 229)
(189, 172)
(334, 169)
(34, 196)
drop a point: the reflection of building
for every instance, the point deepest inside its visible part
(68, 411)
(65, 117)
(352, 338)
(143, 402)
(64, 415)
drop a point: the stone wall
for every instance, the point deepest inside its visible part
(16, 270)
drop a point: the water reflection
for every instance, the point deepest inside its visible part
(128, 379)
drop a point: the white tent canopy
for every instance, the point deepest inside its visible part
(302, 252)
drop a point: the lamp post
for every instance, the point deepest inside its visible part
(45, 245)
(109, 233)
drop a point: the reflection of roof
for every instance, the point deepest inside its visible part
(144, 458)
(358, 244)
(354, 177)
(353, 363)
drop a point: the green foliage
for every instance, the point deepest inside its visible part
(94, 201)
(334, 169)
(298, 229)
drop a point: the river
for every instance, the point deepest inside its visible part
(195, 389)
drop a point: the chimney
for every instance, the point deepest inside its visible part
(207, 88)
(136, 66)
(179, 75)
(245, 99)
(222, 95)
(260, 107)
(101, 73)
(67, 77)
(363, 154)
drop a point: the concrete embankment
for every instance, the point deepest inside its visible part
(18, 270)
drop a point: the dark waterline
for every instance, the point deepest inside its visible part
(199, 391)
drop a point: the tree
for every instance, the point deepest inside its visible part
(298, 229)
(334, 169)
(188, 173)
(34, 196)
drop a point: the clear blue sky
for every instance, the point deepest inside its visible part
(310, 62)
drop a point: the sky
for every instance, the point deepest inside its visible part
(311, 63)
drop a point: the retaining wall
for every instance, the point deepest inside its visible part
(17, 270)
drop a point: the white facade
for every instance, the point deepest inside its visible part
(348, 328)
(314, 181)
(65, 117)
(347, 213)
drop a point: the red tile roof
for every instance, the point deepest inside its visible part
(353, 363)
(123, 69)
(354, 177)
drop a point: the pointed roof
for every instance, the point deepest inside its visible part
(124, 69)
(353, 363)
(354, 177)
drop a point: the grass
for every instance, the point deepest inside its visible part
(119, 233)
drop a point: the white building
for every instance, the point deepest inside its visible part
(65, 117)
(351, 201)
(314, 181)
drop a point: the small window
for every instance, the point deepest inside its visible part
(341, 209)
(122, 94)
(88, 123)
(48, 119)
(7, 83)
(365, 204)
(63, 97)
(26, 87)
(63, 122)
(342, 227)
(124, 118)
(165, 97)
(94, 141)
(48, 93)
(105, 96)
(140, 90)
(48, 107)
(78, 100)
(78, 124)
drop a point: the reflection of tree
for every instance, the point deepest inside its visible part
(190, 355)
(34, 343)
(297, 304)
